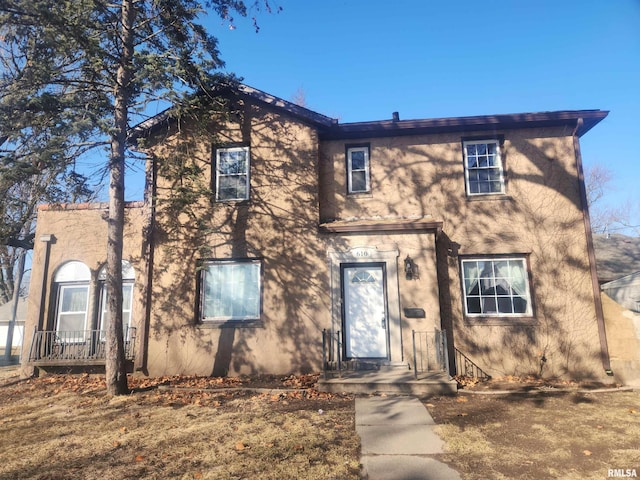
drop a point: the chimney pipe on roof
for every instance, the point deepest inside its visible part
(396, 116)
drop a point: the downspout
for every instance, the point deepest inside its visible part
(604, 348)
(142, 337)
(48, 239)
(28, 371)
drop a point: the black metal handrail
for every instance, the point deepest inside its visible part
(331, 352)
(430, 352)
(75, 346)
(465, 367)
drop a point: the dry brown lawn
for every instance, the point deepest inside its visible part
(64, 427)
(536, 435)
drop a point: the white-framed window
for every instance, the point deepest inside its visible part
(358, 174)
(232, 165)
(483, 167)
(496, 286)
(128, 278)
(230, 290)
(72, 280)
(72, 308)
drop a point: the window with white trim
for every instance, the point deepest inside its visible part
(483, 167)
(232, 173)
(496, 287)
(72, 309)
(72, 280)
(358, 175)
(128, 278)
(230, 290)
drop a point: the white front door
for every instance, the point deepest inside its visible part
(365, 313)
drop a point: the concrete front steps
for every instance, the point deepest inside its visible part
(388, 381)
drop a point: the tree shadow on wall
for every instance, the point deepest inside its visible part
(539, 217)
(278, 224)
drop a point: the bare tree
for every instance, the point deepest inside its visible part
(598, 180)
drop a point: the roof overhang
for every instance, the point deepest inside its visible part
(391, 128)
(370, 226)
(166, 117)
(330, 129)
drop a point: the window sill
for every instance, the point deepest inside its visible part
(233, 201)
(360, 194)
(489, 197)
(215, 324)
(500, 321)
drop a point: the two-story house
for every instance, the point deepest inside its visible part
(266, 226)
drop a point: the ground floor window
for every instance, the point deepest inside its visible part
(72, 308)
(74, 294)
(496, 286)
(230, 290)
(72, 280)
(128, 277)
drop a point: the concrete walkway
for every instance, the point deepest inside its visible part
(398, 441)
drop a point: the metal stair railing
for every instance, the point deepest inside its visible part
(331, 352)
(465, 367)
(430, 352)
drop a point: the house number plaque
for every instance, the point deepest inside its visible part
(361, 252)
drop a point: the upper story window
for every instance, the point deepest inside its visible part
(358, 175)
(483, 167)
(232, 173)
(496, 286)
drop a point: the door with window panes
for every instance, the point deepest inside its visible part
(365, 319)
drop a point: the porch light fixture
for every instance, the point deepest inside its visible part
(410, 268)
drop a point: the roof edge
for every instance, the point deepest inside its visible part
(330, 129)
(290, 107)
(590, 118)
(150, 125)
(381, 226)
(61, 207)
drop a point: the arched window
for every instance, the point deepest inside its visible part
(128, 278)
(362, 276)
(72, 280)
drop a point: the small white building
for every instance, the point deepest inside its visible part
(18, 330)
(625, 291)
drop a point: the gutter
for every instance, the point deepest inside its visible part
(148, 251)
(604, 348)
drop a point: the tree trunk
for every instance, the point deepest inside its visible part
(14, 306)
(115, 367)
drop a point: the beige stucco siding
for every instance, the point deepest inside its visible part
(302, 226)
(420, 292)
(278, 224)
(79, 232)
(623, 334)
(539, 217)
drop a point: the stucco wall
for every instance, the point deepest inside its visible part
(623, 336)
(540, 216)
(278, 224)
(79, 232)
(419, 292)
(298, 182)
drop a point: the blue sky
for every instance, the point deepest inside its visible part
(360, 60)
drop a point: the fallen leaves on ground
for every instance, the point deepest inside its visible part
(258, 427)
